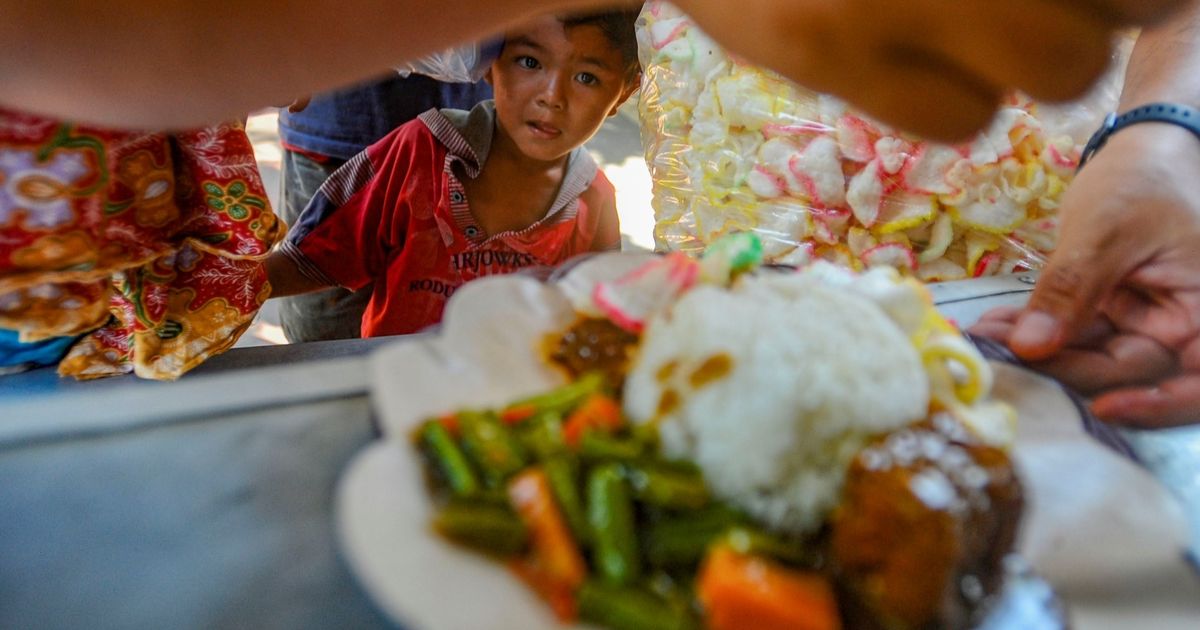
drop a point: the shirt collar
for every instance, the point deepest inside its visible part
(467, 135)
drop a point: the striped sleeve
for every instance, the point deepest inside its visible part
(358, 218)
(345, 182)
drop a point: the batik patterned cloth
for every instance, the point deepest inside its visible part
(148, 245)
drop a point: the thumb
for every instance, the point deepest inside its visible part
(1072, 285)
(299, 104)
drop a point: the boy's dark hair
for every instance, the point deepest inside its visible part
(618, 27)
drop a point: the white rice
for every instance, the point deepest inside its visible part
(816, 370)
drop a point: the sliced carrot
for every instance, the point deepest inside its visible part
(555, 567)
(518, 413)
(558, 596)
(450, 421)
(595, 412)
(745, 591)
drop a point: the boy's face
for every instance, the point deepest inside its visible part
(554, 86)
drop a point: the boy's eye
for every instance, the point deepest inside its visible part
(525, 61)
(587, 78)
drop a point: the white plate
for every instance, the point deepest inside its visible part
(1097, 526)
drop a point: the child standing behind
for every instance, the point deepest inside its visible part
(457, 195)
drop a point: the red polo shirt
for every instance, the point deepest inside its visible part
(396, 217)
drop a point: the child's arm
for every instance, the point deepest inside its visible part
(608, 233)
(284, 275)
(357, 219)
(601, 201)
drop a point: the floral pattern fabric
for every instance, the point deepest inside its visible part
(149, 245)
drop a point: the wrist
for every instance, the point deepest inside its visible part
(1157, 115)
(1154, 140)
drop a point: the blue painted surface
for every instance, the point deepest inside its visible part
(220, 523)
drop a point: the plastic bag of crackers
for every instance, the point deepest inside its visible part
(733, 147)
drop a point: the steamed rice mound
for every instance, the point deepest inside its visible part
(772, 390)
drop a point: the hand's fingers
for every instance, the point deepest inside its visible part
(1050, 50)
(1189, 356)
(1141, 12)
(999, 323)
(1066, 292)
(1092, 257)
(1167, 315)
(993, 329)
(299, 104)
(1173, 403)
(1129, 309)
(1094, 333)
(955, 103)
(1002, 314)
(1122, 361)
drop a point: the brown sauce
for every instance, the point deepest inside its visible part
(667, 404)
(713, 369)
(665, 372)
(594, 345)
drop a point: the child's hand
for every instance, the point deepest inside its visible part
(934, 67)
(286, 278)
(299, 104)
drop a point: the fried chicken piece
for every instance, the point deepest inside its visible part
(926, 519)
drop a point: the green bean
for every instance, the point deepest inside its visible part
(561, 473)
(683, 550)
(681, 466)
(491, 446)
(567, 397)
(629, 609)
(610, 515)
(542, 435)
(598, 447)
(492, 496)
(668, 488)
(668, 588)
(449, 459)
(682, 541)
(745, 539)
(490, 528)
(647, 434)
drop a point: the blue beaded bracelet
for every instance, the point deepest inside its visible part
(1171, 113)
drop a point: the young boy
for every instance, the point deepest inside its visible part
(456, 195)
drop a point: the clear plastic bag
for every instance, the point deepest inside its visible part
(734, 147)
(467, 63)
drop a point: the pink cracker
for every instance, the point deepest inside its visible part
(808, 129)
(631, 299)
(890, 254)
(865, 194)
(857, 138)
(675, 34)
(1057, 158)
(987, 265)
(927, 171)
(779, 181)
